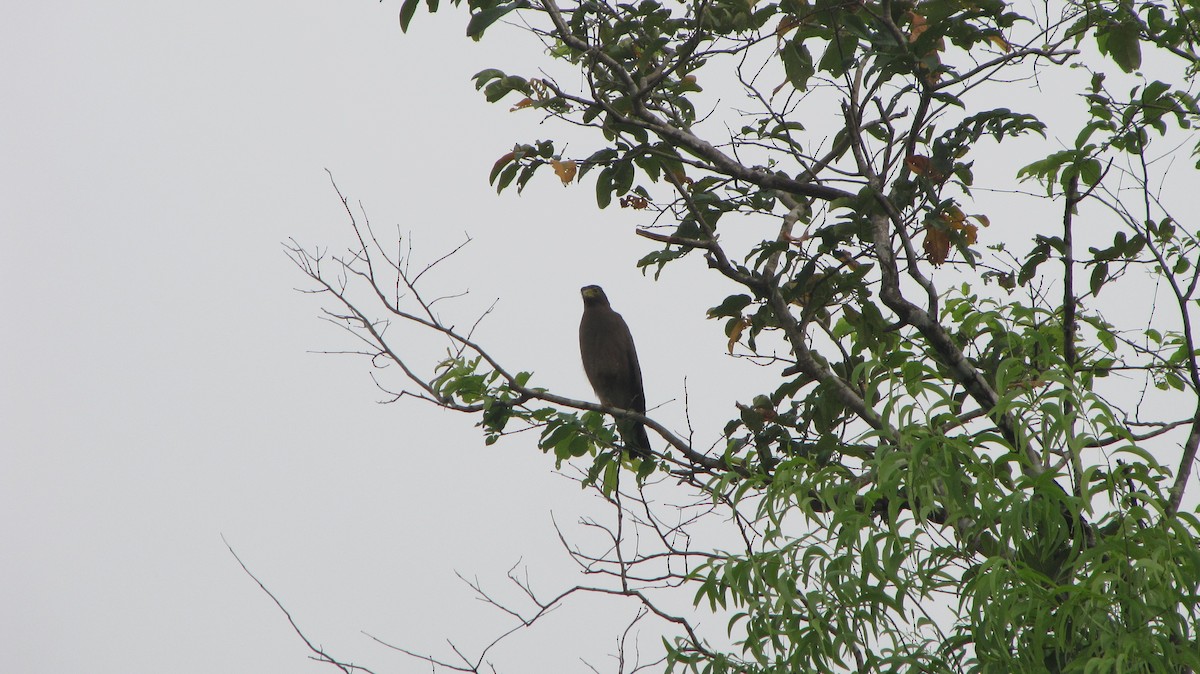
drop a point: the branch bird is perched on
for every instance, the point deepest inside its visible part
(611, 364)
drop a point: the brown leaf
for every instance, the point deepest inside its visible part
(502, 161)
(940, 228)
(937, 243)
(923, 166)
(917, 25)
(847, 259)
(918, 164)
(763, 406)
(957, 220)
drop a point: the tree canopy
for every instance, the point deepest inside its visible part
(960, 243)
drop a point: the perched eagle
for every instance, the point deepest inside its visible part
(611, 364)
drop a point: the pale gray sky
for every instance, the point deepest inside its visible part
(158, 391)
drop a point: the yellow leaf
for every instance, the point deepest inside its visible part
(958, 220)
(735, 333)
(786, 25)
(564, 169)
(970, 232)
(1000, 43)
(954, 216)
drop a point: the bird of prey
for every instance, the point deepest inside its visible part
(611, 364)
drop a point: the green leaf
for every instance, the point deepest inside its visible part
(506, 176)
(500, 88)
(797, 64)
(1124, 45)
(482, 19)
(838, 55)
(1099, 276)
(1108, 339)
(731, 306)
(623, 178)
(1090, 171)
(1029, 269)
(604, 187)
(407, 10)
(487, 75)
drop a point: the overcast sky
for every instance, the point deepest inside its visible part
(159, 386)
(159, 390)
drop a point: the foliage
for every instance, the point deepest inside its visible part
(965, 458)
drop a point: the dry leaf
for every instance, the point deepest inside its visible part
(1000, 43)
(564, 169)
(919, 164)
(847, 259)
(917, 26)
(957, 220)
(937, 243)
(923, 166)
(735, 333)
(506, 159)
(786, 25)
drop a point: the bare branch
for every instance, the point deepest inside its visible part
(319, 653)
